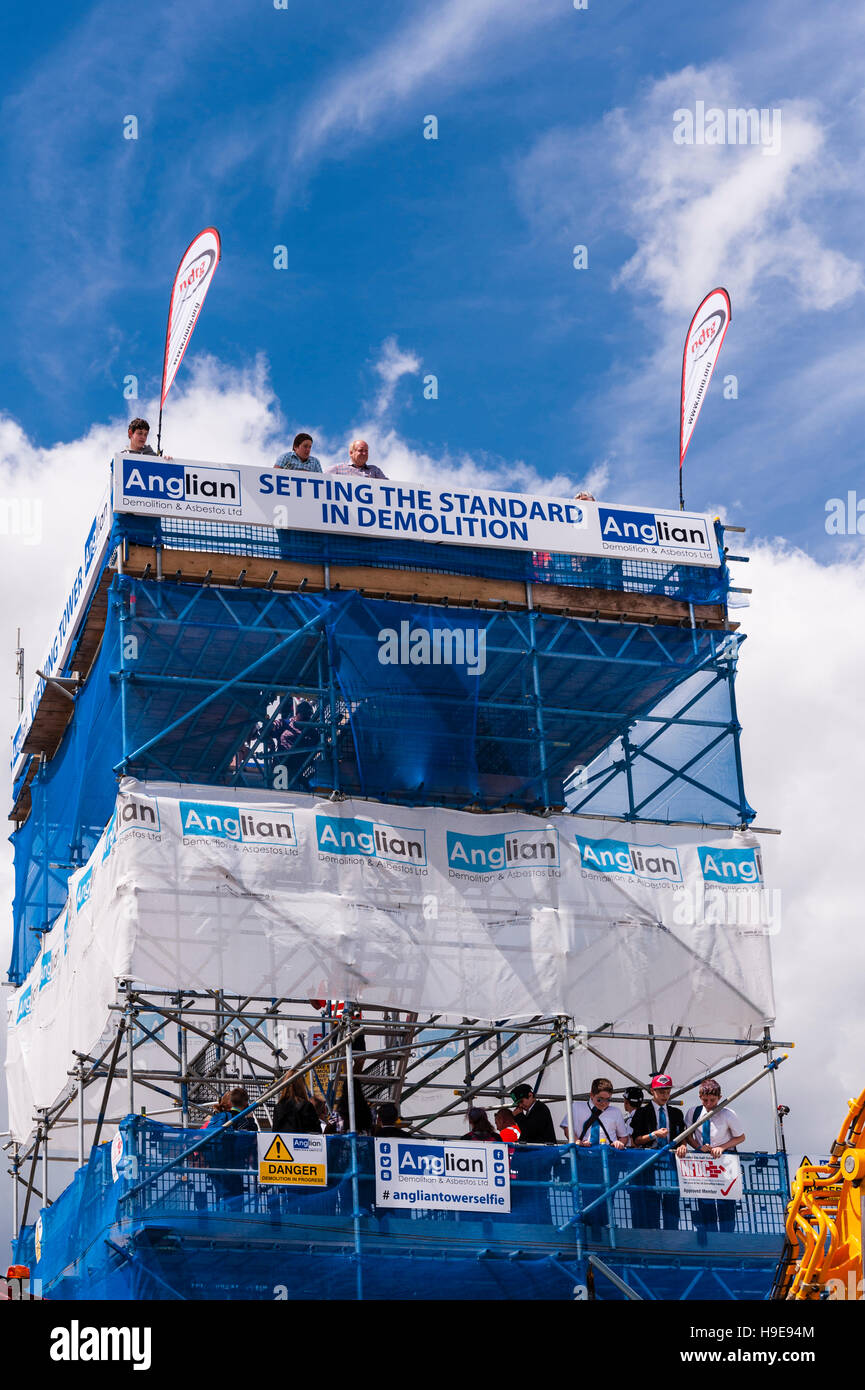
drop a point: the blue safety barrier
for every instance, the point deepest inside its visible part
(182, 1226)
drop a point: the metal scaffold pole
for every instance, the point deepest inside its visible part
(80, 1117)
(16, 1164)
(129, 1019)
(352, 1127)
(44, 1130)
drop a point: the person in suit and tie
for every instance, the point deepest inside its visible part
(654, 1125)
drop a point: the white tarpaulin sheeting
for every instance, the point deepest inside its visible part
(489, 916)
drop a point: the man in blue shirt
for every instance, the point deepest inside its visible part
(299, 457)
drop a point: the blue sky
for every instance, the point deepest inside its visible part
(304, 127)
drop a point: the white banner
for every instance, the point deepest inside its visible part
(702, 345)
(78, 596)
(701, 1175)
(489, 916)
(341, 505)
(442, 1175)
(191, 283)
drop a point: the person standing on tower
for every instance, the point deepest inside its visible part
(532, 1116)
(718, 1134)
(653, 1126)
(300, 458)
(359, 467)
(138, 431)
(596, 1121)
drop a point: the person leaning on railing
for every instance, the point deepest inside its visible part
(480, 1128)
(138, 431)
(218, 1154)
(596, 1121)
(632, 1099)
(718, 1134)
(653, 1126)
(294, 1112)
(532, 1116)
(359, 465)
(299, 458)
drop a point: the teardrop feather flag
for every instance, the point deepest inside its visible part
(702, 346)
(191, 283)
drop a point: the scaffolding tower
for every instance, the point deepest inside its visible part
(245, 656)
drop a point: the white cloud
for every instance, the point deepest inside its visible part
(437, 48)
(393, 363)
(800, 674)
(700, 214)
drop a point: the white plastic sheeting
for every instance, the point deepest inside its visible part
(487, 916)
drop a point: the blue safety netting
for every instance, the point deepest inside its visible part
(681, 764)
(205, 1228)
(689, 583)
(192, 684)
(72, 798)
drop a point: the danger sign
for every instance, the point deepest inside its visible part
(297, 1160)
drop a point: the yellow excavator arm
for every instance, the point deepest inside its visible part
(824, 1220)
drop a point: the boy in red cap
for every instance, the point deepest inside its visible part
(653, 1126)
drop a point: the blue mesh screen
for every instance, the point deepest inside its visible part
(205, 1229)
(690, 583)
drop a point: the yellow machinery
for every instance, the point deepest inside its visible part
(824, 1220)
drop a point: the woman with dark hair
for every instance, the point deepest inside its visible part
(481, 1129)
(294, 1112)
(507, 1126)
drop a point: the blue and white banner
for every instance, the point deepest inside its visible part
(499, 916)
(342, 505)
(442, 1175)
(78, 594)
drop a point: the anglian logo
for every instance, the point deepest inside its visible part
(83, 889)
(736, 866)
(654, 863)
(644, 528)
(247, 825)
(491, 854)
(131, 812)
(155, 481)
(370, 839)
